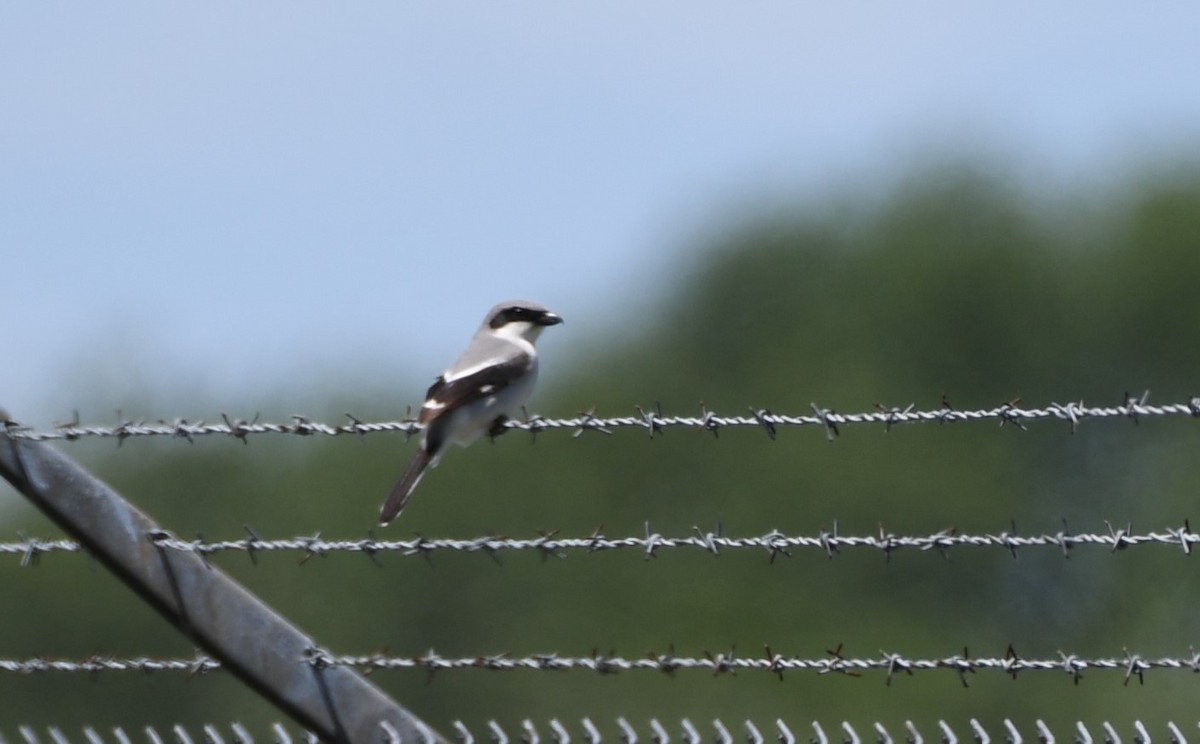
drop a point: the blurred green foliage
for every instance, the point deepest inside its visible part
(958, 285)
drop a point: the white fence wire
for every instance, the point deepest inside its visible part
(685, 732)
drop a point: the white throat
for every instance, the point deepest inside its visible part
(519, 331)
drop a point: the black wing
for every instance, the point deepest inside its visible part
(445, 396)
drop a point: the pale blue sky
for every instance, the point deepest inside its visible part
(230, 195)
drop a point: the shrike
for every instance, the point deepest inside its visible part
(478, 393)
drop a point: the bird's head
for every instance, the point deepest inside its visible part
(521, 318)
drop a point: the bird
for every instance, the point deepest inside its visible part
(486, 385)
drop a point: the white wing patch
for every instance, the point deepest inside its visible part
(451, 375)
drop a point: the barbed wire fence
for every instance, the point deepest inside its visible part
(1132, 666)
(774, 543)
(165, 569)
(651, 420)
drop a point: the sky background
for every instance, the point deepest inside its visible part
(239, 200)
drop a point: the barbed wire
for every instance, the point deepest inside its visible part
(1131, 665)
(98, 663)
(549, 544)
(652, 421)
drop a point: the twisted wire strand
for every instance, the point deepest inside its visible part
(1131, 665)
(549, 544)
(716, 730)
(652, 421)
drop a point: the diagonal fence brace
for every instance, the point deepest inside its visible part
(262, 648)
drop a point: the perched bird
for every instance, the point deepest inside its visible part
(478, 393)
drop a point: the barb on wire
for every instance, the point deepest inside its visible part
(655, 422)
(1129, 665)
(549, 544)
(31, 549)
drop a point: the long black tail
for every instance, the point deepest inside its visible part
(403, 490)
